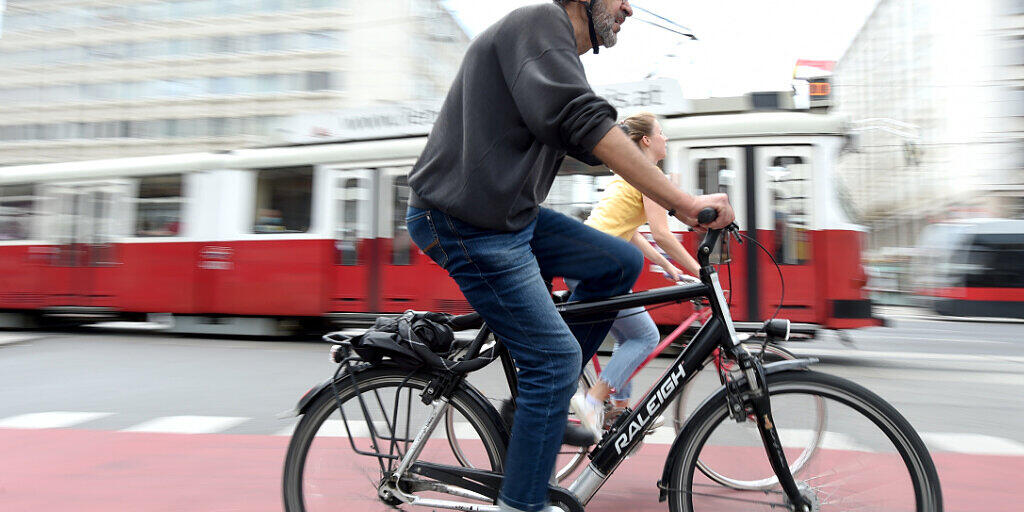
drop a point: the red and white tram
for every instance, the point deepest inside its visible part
(249, 241)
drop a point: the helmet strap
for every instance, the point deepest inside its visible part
(589, 7)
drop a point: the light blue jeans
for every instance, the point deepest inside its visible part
(636, 336)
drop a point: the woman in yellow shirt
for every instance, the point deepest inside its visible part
(621, 210)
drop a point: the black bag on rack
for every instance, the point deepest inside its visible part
(402, 339)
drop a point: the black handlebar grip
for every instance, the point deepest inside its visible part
(707, 216)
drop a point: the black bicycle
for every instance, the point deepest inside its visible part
(380, 425)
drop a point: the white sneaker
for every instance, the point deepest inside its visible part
(590, 417)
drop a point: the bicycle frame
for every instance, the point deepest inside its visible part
(701, 315)
(628, 431)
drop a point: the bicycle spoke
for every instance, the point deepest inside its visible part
(860, 463)
(341, 456)
(729, 498)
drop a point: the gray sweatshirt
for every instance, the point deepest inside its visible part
(519, 104)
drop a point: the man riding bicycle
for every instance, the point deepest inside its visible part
(519, 103)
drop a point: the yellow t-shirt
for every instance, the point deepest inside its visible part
(620, 210)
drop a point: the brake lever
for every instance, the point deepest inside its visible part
(734, 230)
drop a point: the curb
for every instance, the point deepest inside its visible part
(907, 313)
(13, 339)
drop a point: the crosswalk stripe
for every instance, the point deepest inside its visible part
(187, 424)
(287, 431)
(966, 443)
(52, 419)
(975, 444)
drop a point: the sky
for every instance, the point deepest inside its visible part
(744, 45)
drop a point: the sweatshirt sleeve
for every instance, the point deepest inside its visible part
(550, 89)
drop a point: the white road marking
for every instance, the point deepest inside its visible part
(187, 424)
(967, 443)
(975, 444)
(53, 419)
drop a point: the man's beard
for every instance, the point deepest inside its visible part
(604, 23)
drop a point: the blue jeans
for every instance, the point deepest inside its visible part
(502, 274)
(636, 336)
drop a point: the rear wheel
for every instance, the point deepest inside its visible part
(869, 459)
(325, 469)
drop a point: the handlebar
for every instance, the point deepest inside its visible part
(707, 246)
(707, 216)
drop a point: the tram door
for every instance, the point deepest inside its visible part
(85, 221)
(403, 282)
(785, 216)
(715, 170)
(354, 251)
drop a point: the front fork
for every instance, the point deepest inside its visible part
(753, 399)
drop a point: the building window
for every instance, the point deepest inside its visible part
(223, 44)
(158, 206)
(789, 188)
(318, 81)
(272, 42)
(283, 200)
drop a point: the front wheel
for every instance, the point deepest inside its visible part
(766, 354)
(869, 459)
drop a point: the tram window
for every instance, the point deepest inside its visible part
(574, 194)
(995, 261)
(401, 244)
(283, 200)
(158, 206)
(17, 205)
(789, 187)
(713, 176)
(350, 194)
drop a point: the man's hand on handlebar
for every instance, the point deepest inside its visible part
(718, 202)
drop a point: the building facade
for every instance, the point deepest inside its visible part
(929, 92)
(89, 79)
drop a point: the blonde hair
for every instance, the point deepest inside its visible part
(638, 126)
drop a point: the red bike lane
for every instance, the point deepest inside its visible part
(101, 471)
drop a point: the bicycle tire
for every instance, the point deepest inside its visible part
(469, 404)
(866, 410)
